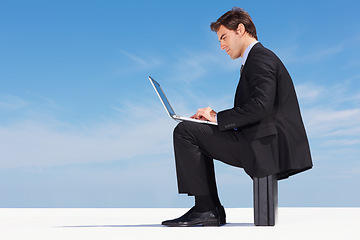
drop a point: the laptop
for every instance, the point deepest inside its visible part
(168, 107)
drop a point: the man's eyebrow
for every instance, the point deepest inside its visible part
(222, 36)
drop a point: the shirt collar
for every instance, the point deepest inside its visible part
(246, 53)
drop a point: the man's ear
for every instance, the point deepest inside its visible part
(240, 29)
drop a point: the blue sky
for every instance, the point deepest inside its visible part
(81, 126)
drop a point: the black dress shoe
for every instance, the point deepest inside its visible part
(214, 217)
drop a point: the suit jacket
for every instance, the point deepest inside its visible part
(267, 113)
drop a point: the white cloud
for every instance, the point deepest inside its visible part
(332, 123)
(192, 65)
(308, 92)
(321, 54)
(138, 62)
(295, 53)
(342, 142)
(36, 143)
(331, 114)
(10, 102)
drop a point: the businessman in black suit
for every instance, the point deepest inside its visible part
(263, 133)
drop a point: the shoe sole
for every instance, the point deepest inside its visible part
(204, 224)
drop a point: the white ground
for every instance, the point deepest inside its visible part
(144, 223)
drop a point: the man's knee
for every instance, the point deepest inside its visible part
(180, 128)
(184, 129)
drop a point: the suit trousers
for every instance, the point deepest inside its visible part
(196, 145)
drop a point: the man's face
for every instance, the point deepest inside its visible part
(231, 41)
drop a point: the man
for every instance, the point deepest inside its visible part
(263, 133)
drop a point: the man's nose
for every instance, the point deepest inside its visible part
(222, 46)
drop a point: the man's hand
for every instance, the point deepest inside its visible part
(206, 114)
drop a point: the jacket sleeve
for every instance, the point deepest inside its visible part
(260, 75)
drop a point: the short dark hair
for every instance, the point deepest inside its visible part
(232, 19)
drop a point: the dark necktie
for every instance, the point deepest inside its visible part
(242, 66)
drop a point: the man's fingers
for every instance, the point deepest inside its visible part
(204, 114)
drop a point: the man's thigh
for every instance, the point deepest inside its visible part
(230, 146)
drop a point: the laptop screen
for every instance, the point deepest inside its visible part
(162, 96)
